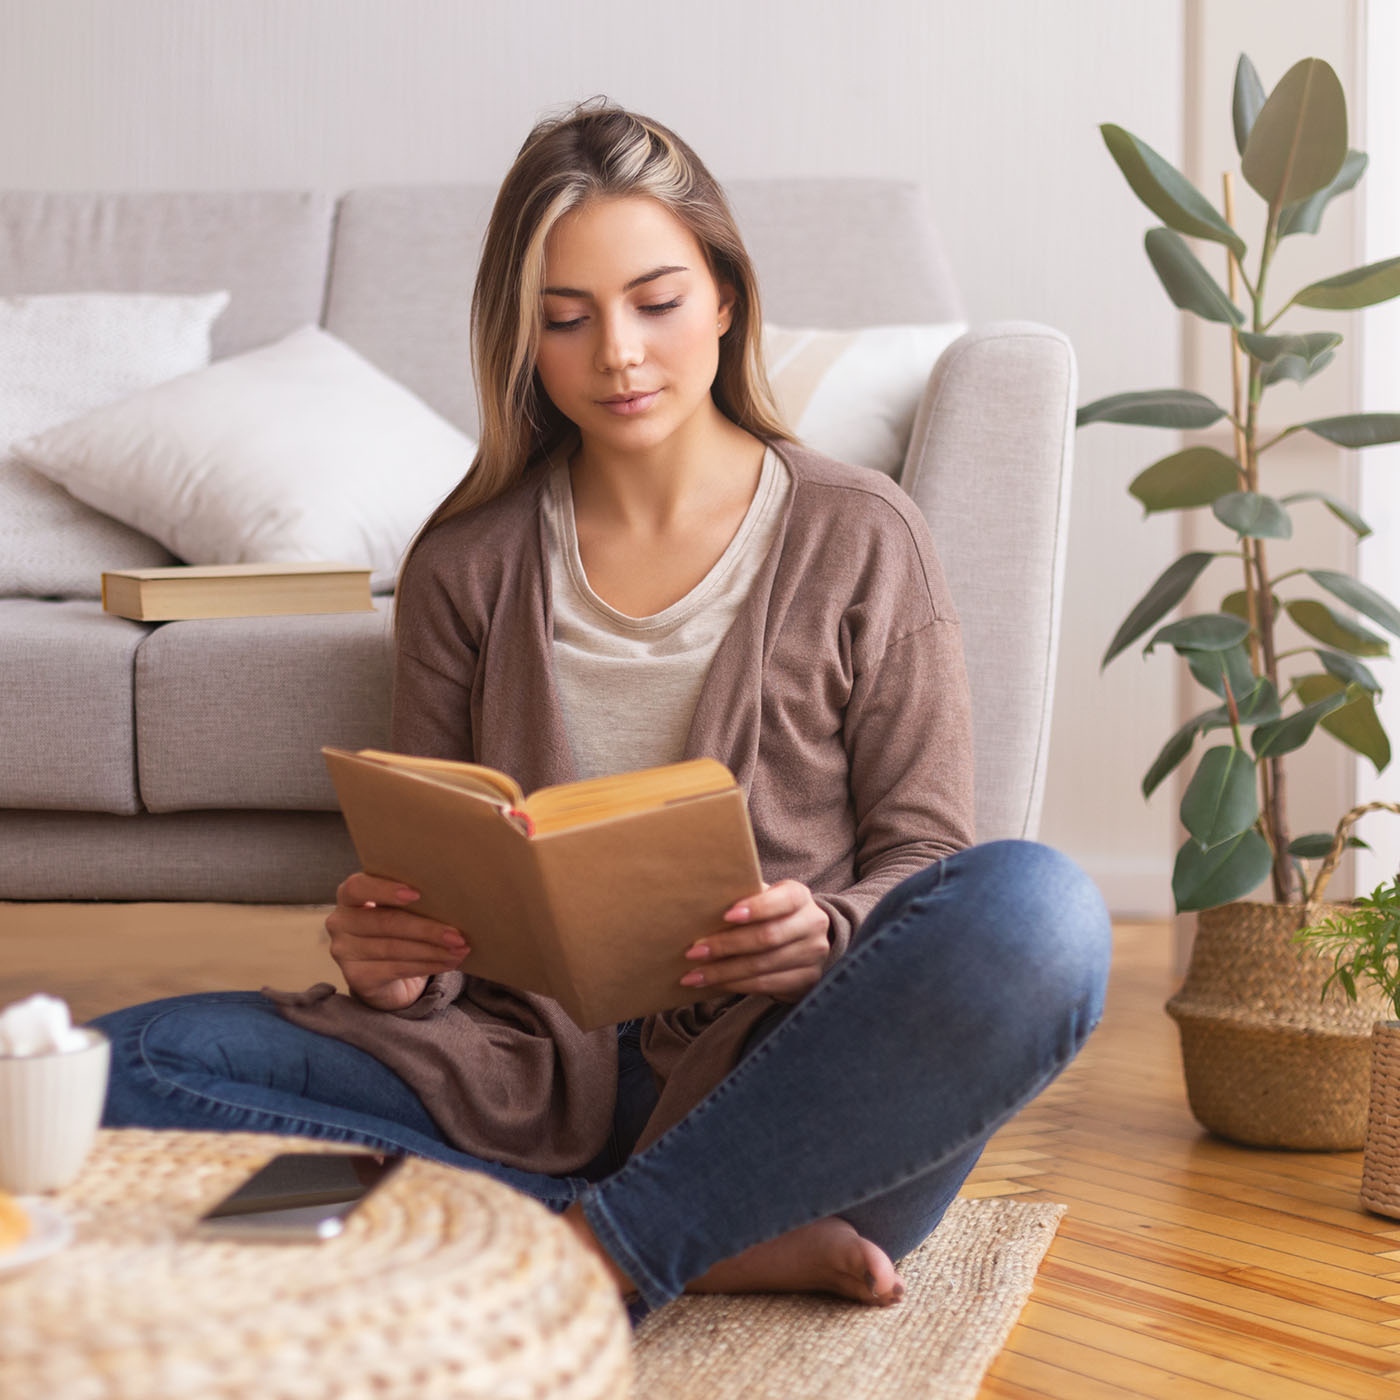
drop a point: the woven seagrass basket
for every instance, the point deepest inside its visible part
(1380, 1168)
(1268, 1061)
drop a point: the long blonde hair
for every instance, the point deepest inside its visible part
(597, 150)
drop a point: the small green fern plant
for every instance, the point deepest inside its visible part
(1364, 942)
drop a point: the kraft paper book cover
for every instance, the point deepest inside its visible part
(588, 893)
(186, 591)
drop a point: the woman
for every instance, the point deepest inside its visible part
(643, 566)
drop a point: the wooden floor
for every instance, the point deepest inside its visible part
(1185, 1266)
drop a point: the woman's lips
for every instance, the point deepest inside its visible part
(625, 405)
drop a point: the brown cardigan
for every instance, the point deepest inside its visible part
(838, 699)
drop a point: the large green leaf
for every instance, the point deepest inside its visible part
(1213, 668)
(1359, 596)
(1306, 215)
(1349, 291)
(1153, 408)
(1194, 477)
(1268, 348)
(1329, 626)
(1348, 669)
(1299, 139)
(1220, 800)
(1317, 844)
(1166, 191)
(1355, 723)
(1186, 280)
(1357, 429)
(1205, 879)
(1248, 99)
(1173, 751)
(1171, 586)
(1293, 731)
(1258, 705)
(1237, 604)
(1340, 509)
(1248, 513)
(1206, 632)
(1296, 368)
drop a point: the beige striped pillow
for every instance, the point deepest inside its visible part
(853, 394)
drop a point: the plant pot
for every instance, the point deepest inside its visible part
(1268, 1061)
(1380, 1171)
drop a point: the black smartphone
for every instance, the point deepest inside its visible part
(299, 1196)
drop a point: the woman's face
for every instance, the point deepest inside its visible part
(629, 345)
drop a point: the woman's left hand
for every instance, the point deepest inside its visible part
(780, 940)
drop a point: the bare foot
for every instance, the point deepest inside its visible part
(827, 1256)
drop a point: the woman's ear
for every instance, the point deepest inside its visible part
(728, 300)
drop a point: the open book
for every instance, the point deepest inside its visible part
(586, 892)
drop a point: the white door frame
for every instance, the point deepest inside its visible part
(1378, 487)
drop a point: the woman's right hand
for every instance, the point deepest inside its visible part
(386, 951)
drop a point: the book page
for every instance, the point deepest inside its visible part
(471, 777)
(597, 799)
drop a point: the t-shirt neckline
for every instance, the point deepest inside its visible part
(684, 607)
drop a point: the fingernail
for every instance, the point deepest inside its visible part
(870, 1281)
(898, 1292)
(741, 912)
(407, 895)
(699, 951)
(693, 979)
(453, 939)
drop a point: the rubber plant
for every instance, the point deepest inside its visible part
(1268, 701)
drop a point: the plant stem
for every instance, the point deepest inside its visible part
(1271, 775)
(1287, 432)
(1241, 446)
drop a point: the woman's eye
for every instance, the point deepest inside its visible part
(657, 307)
(563, 325)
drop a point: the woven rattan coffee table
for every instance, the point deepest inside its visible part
(443, 1284)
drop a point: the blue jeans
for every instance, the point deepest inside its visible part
(966, 990)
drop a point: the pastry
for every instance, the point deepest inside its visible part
(14, 1223)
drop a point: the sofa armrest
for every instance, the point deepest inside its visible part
(989, 465)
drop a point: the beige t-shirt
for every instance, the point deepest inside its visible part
(628, 685)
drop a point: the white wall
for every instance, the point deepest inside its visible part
(994, 106)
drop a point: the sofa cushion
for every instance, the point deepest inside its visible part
(62, 356)
(232, 712)
(298, 450)
(255, 857)
(853, 394)
(402, 270)
(66, 706)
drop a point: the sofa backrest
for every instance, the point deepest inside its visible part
(270, 249)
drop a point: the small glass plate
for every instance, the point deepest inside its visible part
(49, 1231)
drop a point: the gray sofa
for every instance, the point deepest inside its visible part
(181, 760)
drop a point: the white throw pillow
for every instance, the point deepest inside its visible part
(62, 355)
(299, 450)
(853, 394)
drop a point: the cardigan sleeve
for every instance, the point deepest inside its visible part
(908, 739)
(435, 660)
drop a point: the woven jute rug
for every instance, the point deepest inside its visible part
(964, 1289)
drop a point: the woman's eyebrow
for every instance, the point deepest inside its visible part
(635, 282)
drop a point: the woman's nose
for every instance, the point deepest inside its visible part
(619, 345)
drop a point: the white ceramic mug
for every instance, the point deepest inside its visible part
(50, 1106)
